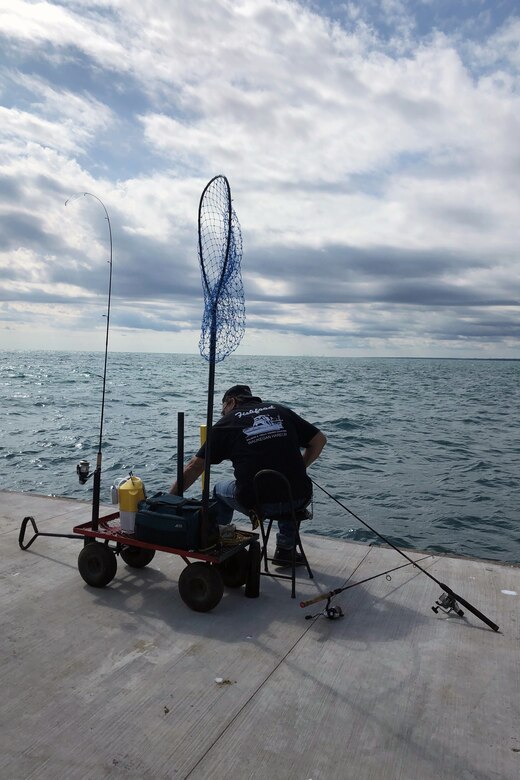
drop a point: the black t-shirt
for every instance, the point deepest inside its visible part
(263, 435)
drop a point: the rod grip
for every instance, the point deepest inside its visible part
(471, 608)
(320, 597)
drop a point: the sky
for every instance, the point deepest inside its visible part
(372, 150)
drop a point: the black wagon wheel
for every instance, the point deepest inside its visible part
(137, 557)
(234, 570)
(201, 586)
(97, 564)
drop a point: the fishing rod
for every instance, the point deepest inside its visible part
(337, 591)
(447, 603)
(83, 467)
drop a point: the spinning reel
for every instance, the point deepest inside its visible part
(446, 603)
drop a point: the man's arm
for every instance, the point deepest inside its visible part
(314, 448)
(192, 471)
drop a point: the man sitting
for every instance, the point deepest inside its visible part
(255, 435)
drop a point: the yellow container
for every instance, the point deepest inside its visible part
(130, 493)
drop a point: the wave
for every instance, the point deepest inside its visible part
(416, 447)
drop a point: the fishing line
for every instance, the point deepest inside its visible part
(330, 595)
(333, 612)
(97, 472)
(447, 603)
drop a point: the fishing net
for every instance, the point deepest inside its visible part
(223, 321)
(220, 255)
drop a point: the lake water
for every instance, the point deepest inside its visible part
(427, 451)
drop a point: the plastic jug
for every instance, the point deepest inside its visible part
(114, 489)
(130, 493)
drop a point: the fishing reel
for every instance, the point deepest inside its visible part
(446, 603)
(83, 471)
(332, 613)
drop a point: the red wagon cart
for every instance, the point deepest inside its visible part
(202, 581)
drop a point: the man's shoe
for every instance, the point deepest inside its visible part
(283, 557)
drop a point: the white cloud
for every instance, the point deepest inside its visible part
(335, 141)
(45, 22)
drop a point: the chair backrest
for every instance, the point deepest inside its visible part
(263, 482)
(264, 479)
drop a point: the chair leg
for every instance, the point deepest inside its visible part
(298, 542)
(293, 577)
(265, 534)
(265, 539)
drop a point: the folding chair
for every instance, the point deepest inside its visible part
(296, 515)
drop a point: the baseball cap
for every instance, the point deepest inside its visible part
(237, 391)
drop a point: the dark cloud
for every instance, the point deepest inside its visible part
(438, 294)
(342, 263)
(153, 269)
(343, 274)
(370, 322)
(9, 189)
(479, 220)
(383, 289)
(27, 231)
(479, 326)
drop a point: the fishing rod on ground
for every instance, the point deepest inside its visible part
(83, 467)
(336, 611)
(223, 323)
(447, 602)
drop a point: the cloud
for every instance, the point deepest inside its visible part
(371, 148)
(40, 23)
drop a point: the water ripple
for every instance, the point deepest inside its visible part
(426, 451)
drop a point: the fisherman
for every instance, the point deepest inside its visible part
(255, 435)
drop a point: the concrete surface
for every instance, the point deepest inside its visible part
(121, 682)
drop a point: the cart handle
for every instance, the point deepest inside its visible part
(31, 520)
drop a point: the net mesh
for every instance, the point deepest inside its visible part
(220, 255)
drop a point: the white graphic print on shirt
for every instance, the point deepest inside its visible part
(264, 426)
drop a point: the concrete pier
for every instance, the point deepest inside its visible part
(127, 682)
